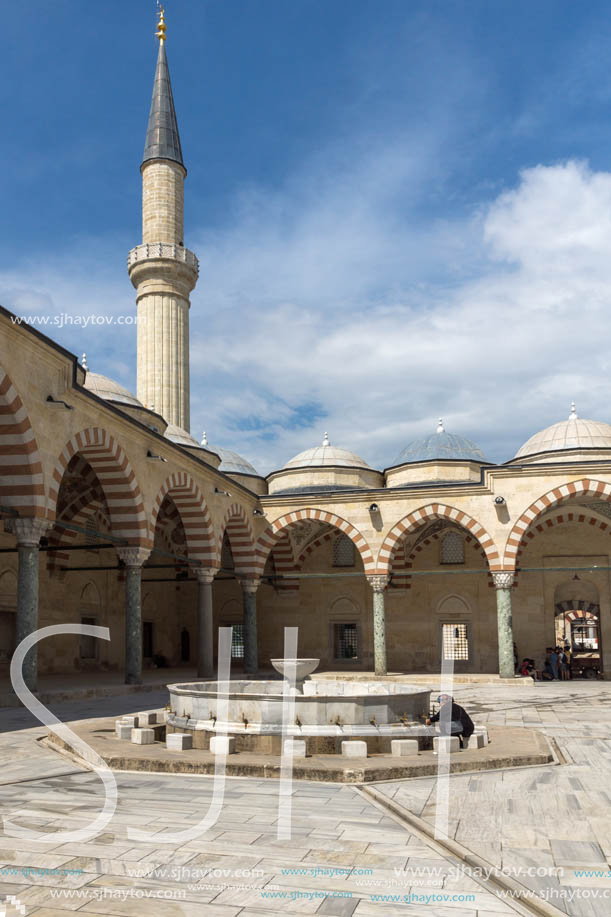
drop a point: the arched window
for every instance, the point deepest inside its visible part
(343, 552)
(452, 550)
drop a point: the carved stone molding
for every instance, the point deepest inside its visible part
(249, 584)
(133, 556)
(503, 580)
(27, 530)
(378, 582)
(205, 575)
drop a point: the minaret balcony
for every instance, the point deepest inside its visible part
(151, 251)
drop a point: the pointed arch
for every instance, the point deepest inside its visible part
(401, 566)
(434, 511)
(194, 514)
(21, 475)
(586, 487)
(237, 527)
(273, 532)
(117, 479)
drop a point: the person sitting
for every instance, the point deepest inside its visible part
(454, 722)
(527, 669)
(548, 672)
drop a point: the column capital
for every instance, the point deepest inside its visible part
(503, 580)
(378, 582)
(205, 575)
(133, 556)
(249, 584)
(28, 530)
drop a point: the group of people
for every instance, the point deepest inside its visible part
(557, 665)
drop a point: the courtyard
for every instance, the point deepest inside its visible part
(353, 849)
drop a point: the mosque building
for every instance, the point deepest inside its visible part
(115, 515)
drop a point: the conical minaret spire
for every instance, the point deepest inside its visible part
(163, 271)
(162, 137)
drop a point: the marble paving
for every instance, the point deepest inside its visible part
(343, 851)
(556, 816)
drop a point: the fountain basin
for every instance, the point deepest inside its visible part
(326, 710)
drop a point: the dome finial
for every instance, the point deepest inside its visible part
(440, 426)
(161, 26)
(325, 441)
(84, 362)
(204, 441)
(573, 415)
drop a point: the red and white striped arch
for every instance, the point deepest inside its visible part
(586, 487)
(426, 514)
(21, 475)
(400, 566)
(89, 499)
(117, 479)
(577, 609)
(273, 533)
(237, 527)
(195, 517)
(564, 518)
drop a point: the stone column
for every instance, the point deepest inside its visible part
(28, 532)
(251, 658)
(503, 583)
(205, 638)
(133, 558)
(379, 584)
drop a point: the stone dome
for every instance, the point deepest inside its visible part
(573, 433)
(109, 390)
(326, 454)
(231, 462)
(440, 445)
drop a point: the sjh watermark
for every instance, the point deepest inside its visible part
(44, 715)
(81, 321)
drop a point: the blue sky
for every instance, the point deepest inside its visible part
(400, 208)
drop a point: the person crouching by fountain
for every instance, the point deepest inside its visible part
(454, 722)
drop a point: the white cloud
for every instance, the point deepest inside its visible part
(336, 304)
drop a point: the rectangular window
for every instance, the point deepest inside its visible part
(345, 641)
(237, 641)
(88, 644)
(455, 641)
(147, 639)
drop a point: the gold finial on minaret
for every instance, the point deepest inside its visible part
(161, 26)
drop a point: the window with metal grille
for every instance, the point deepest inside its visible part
(452, 549)
(455, 641)
(343, 552)
(88, 643)
(237, 641)
(345, 641)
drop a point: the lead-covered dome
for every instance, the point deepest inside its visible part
(572, 434)
(326, 454)
(109, 390)
(440, 445)
(231, 462)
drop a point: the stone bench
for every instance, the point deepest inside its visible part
(477, 740)
(401, 747)
(179, 741)
(354, 749)
(144, 736)
(445, 744)
(222, 745)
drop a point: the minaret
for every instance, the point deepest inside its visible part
(162, 270)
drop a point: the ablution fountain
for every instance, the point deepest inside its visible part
(324, 713)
